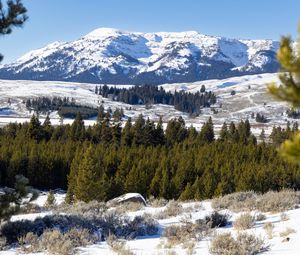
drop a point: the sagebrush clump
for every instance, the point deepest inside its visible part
(243, 244)
(244, 221)
(271, 201)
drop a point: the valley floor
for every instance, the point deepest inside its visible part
(251, 97)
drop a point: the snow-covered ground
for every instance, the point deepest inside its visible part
(152, 244)
(251, 96)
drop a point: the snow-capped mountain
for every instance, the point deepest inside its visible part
(118, 57)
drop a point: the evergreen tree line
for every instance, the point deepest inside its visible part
(66, 107)
(46, 104)
(105, 160)
(148, 95)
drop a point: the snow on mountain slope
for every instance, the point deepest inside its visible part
(113, 56)
(251, 97)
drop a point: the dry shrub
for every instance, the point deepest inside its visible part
(260, 217)
(268, 227)
(29, 242)
(2, 243)
(129, 207)
(250, 244)
(287, 232)
(54, 242)
(80, 237)
(224, 244)
(271, 201)
(216, 219)
(277, 201)
(284, 217)
(118, 246)
(157, 202)
(30, 208)
(90, 209)
(109, 222)
(244, 221)
(239, 201)
(183, 233)
(244, 244)
(189, 246)
(172, 209)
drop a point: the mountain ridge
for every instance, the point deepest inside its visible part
(113, 56)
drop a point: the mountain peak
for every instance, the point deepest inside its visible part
(108, 55)
(103, 32)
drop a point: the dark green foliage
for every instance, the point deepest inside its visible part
(12, 15)
(105, 161)
(72, 111)
(50, 199)
(12, 198)
(66, 107)
(147, 95)
(261, 118)
(109, 223)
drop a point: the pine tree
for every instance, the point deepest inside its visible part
(159, 137)
(13, 15)
(77, 128)
(34, 129)
(127, 135)
(51, 201)
(87, 182)
(289, 89)
(11, 199)
(47, 128)
(207, 134)
(224, 134)
(72, 177)
(262, 135)
(138, 130)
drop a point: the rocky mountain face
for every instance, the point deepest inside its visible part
(119, 57)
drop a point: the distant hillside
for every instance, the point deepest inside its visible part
(119, 57)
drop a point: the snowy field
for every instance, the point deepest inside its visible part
(152, 245)
(251, 96)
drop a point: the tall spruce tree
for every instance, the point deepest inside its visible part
(87, 181)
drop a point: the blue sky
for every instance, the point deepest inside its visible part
(65, 20)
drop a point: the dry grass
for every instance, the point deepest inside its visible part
(129, 207)
(287, 232)
(189, 246)
(268, 227)
(2, 243)
(157, 202)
